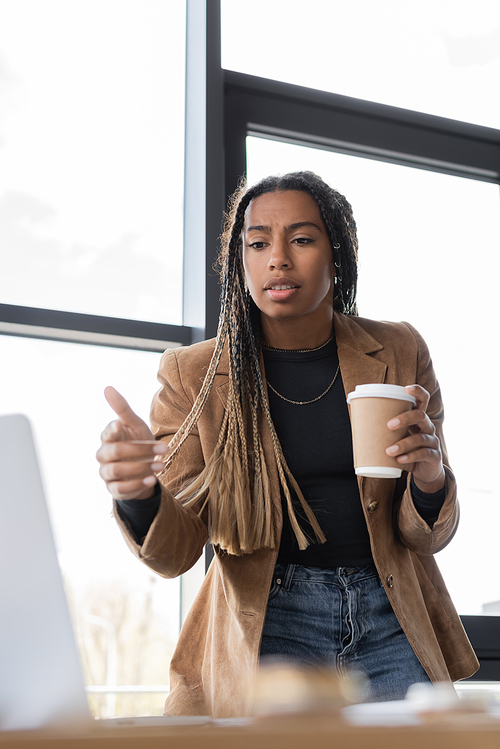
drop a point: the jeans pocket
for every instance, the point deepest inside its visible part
(275, 589)
(280, 574)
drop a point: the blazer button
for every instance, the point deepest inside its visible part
(390, 581)
(372, 506)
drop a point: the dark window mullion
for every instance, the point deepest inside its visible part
(323, 120)
(42, 321)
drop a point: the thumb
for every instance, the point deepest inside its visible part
(121, 408)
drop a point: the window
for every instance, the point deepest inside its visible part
(91, 236)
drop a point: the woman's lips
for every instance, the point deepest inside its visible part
(281, 288)
(281, 295)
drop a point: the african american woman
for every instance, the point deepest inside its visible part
(253, 453)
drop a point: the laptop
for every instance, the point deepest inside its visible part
(41, 681)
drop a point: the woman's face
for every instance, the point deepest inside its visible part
(288, 258)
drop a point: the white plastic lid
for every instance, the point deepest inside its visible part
(378, 472)
(381, 390)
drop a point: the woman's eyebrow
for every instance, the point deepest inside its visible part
(260, 227)
(300, 224)
(290, 227)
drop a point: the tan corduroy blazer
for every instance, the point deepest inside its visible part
(218, 649)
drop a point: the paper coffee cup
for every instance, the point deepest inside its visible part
(372, 406)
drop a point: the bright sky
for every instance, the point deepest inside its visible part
(91, 156)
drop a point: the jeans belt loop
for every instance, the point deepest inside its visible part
(288, 576)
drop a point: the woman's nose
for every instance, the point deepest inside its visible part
(279, 256)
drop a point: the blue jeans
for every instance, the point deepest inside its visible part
(342, 618)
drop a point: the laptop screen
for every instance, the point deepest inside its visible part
(41, 682)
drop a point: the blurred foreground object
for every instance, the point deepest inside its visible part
(426, 704)
(440, 701)
(283, 687)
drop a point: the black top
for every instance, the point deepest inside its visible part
(317, 444)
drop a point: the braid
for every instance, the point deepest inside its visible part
(235, 481)
(338, 218)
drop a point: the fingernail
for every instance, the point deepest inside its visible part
(160, 448)
(391, 450)
(402, 458)
(157, 466)
(393, 423)
(149, 481)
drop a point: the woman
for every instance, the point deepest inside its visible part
(254, 452)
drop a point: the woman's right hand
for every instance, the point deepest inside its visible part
(129, 455)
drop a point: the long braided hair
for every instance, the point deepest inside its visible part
(235, 481)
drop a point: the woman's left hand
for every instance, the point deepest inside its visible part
(419, 452)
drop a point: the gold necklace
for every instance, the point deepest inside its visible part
(297, 350)
(306, 403)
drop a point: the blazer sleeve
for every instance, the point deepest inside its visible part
(413, 530)
(177, 535)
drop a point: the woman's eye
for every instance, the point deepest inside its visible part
(257, 245)
(303, 240)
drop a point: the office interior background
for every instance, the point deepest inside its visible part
(124, 126)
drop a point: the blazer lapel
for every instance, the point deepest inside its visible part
(357, 367)
(354, 345)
